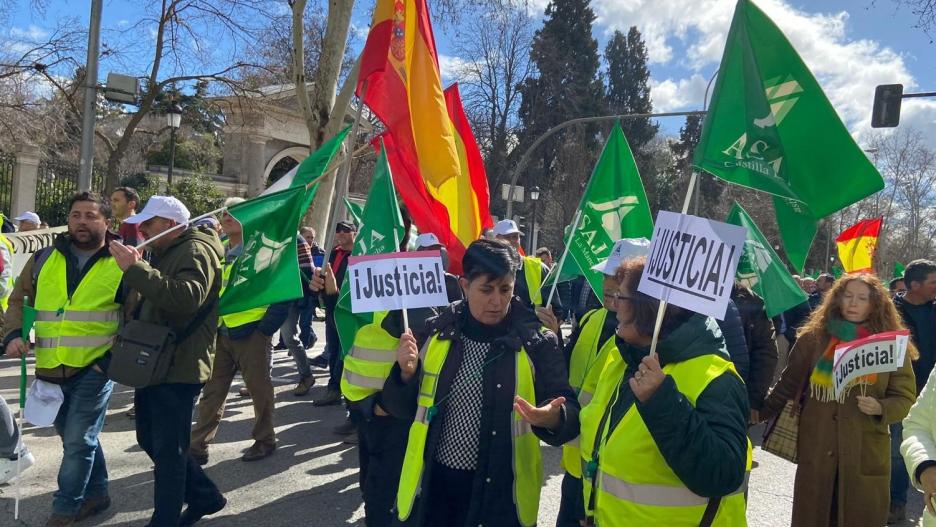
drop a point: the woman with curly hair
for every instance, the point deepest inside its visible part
(844, 442)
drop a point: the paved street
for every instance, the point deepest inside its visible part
(312, 478)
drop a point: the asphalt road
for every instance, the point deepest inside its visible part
(310, 481)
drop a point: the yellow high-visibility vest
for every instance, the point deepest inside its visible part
(370, 360)
(234, 320)
(75, 331)
(527, 459)
(635, 485)
(533, 274)
(5, 300)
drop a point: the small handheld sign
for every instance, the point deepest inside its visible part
(385, 282)
(692, 262)
(878, 353)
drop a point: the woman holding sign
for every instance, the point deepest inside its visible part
(664, 438)
(844, 451)
(473, 456)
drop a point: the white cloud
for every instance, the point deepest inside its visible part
(691, 34)
(449, 67)
(31, 33)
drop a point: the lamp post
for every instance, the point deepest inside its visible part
(174, 120)
(534, 197)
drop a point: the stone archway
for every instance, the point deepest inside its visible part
(296, 153)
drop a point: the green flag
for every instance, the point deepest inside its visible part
(899, 270)
(614, 206)
(837, 272)
(29, 318)
(771, 128)
(317, 163)
(381, 232)
(267, 270)
(354, 210)
(761, 269)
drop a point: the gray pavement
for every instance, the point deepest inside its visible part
(310, 481)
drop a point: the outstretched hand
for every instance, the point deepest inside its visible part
(548, 416)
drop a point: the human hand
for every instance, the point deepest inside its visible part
(869, 406)
(928, 482)
(648, 378)
(407, 356)
(548, 416)
(16, 348)
(331, 285)
(124, 255)
(317, 284)
(548, 318)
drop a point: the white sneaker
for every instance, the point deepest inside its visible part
(8, 466)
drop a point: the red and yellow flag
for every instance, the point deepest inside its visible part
(857, 243)
(435, 160)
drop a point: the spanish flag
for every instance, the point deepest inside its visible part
(856, 245)
(435, 160)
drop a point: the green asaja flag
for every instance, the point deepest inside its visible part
(760, 268)
(771, 128)
(899, 270)
(267, 271)
(381, 230)
(355, 211)
(614, 206)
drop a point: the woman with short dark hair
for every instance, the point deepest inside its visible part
(473, 452)
(664, 438)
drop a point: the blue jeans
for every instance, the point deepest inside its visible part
(83, 473)
(306, 331)
(900, 479)
(164, 429)
(290, 334)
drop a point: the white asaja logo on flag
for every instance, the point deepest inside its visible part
(261, 253)
(612, 213)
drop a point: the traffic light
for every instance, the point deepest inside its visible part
(886, 111)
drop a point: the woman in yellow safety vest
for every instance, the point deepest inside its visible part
(472, 456)
(664, 439)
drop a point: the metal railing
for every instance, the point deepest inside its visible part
(58, 182)
(7, 166)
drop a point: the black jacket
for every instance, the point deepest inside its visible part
(732, 330)
(492, 491)
(923, 338)
(795, 317)
(762, 348)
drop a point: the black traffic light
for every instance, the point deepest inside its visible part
(886, 111)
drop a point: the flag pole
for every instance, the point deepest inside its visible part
(396, 242)
(663, 303)
(19, 438)
(565, 253)
(341, 185)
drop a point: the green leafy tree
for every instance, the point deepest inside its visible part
(198, 193)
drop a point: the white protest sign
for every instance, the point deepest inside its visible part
(384, 282)
(26, 243)
(879, 353)
(692, 262)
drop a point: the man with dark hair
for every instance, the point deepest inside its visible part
(897, 286)
(75, 286)
(124, 201)
(823, 285)
(918, 310)
(180, 292)
(545, 256)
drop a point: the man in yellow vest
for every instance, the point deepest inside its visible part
(532, 272)
(587, 351)
(75, 287)
(244, 344)
(6, 272)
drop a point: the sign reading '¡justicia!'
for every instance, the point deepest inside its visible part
(692, 262)
(878, 353)
(384, 282)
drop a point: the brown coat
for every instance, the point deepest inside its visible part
(837, 440)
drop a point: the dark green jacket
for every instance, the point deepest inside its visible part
(705, 444)
(185, 277)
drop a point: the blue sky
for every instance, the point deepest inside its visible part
(851, 46)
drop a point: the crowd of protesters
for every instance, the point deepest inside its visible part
(449, 407)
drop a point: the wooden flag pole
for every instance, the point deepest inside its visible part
(565, 253)
(663, 303)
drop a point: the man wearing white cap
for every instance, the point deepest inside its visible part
(586, 352)
(180, 292)
(430, 242)
(28, 221)
(532, 272)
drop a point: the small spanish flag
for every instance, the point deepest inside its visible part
(857, 243)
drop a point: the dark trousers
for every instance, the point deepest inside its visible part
(163, 428)
(572, 503)
(900, 479)
(381, 450)
(450, 496)
(306, 331)
(333, 351)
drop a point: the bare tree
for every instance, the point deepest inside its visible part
(925, 11)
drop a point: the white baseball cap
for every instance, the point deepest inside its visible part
(505, 227)
(427, 240)
(622, 250)
(28, 216)
(166, 207)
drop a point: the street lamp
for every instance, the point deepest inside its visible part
(174, 120)
(534, 197)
